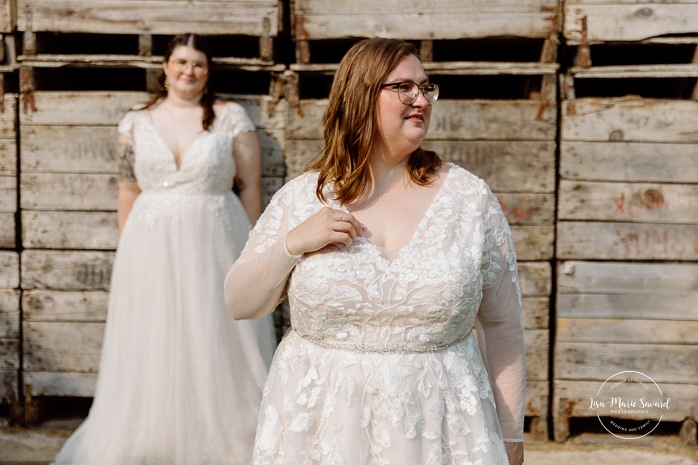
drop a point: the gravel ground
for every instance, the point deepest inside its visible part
(37, 446)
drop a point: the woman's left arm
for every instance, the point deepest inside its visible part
(501, 327)
(248, 178)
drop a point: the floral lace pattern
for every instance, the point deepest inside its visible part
(381, 367)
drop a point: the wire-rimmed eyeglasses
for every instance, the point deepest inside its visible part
(408, 91)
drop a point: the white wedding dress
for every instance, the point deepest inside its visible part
(382, 366)
(180, 381)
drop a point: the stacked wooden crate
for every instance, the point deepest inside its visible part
(503, 132)
(73, 94)
(627, 235)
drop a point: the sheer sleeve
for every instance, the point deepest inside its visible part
(256, 282)
(499, 325)
(125, 152)
(237, 119)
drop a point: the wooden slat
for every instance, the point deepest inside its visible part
(665, 363)
(254, 18)
(66, 270)
(75, 306)
(453, 120)
(577, 395)
(8, 157)
(635, 202)
(537, 343)
(533, 243)
(630, 119)
(629, 161)
(535, 279)
(500, 163)
(639, 20)
(626, 241)
(62, 346)
(636, 71)
(69, 230)
(9, 269)
(528, 208)
(8, 118)
(76, 108)
(679, 305)
(8, 231)
(537, 393)
(623, 330)
(9, 356)
(61, 384)
(8, 194)
(9, 313)
(536, 312)
(575, 277)
(8, 15)
(68, 191)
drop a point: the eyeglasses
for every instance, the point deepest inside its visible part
(408, 92)
(182, 65)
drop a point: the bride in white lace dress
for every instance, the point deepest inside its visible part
(180, 381)
(389, 259)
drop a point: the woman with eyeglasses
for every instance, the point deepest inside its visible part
(180, 382)
(389, 258)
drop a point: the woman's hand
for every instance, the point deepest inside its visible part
(515, 452)
(328, 226)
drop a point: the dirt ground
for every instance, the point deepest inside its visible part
(37, 446)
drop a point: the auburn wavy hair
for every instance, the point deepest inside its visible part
(350, 122)
(208, 98)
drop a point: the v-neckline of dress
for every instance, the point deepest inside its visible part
(399, 251)
(172, 157)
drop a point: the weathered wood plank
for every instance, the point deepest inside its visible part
(368, 7)
(537, 393)
(535, 279)
(8, 118)
(628, 162)
(68, 191)
(635, 202)
(66, 270)
(9, 269)
(62, 346)
(665, 363)
(528, 208)
(536, 312)
(8, 15)
(577, 277)
(254, 18)
(8, 194)
(500, 163)
(106, 108)
(639, 20)
(619, 330)
(61, 384)
(629, 119)
(453, 120)
(75, 306)
(577, 395)
(679, 305)
(328, 20)
(533, 242)
(9, 355)
(9, 313)
(537, 343)
(626, 241)
(8, 157)
(69, 230)
(8, 233)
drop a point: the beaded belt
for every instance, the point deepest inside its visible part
(382, 348)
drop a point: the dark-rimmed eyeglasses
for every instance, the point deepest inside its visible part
(408, 91)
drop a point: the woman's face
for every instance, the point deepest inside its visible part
(402, 127)
(186, 72)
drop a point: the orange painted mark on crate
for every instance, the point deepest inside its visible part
(519, 210)
(657, 243)
(635, 203)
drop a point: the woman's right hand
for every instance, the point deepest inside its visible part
(328, 226)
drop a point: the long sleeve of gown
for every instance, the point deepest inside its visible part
(500, 328)
(256, 282)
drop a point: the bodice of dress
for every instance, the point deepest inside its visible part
(207, 167)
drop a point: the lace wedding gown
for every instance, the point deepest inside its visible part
(381, 366)
(180, 381)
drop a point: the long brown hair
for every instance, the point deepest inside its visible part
(208, 98)
(350, 121)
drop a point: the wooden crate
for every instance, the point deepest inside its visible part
(314, 21)
(260, 19)
(68, 188)
(627, 238)
(618, 316)
(9, 330)
(509, 143)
